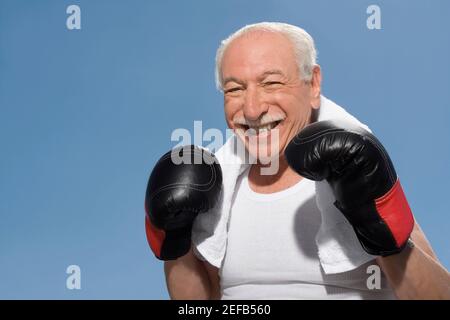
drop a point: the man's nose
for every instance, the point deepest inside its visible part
(254, 106)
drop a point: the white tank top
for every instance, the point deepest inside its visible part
(271, 250)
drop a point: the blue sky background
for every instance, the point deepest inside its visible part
(85, 114)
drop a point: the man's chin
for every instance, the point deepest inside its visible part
(261, 151)
(263, 157)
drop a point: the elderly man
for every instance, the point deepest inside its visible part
(272, 84)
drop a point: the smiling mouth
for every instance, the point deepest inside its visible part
(256, 130)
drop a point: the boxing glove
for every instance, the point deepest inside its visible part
(185, 182)
(363, 179)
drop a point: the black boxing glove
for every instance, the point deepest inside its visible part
(363, 180)
(176, 194)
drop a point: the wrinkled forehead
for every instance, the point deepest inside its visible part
(257, 52)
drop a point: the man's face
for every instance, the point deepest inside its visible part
(263, 92)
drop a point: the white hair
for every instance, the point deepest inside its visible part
(303, 43)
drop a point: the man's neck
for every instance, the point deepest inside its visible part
(284, 178)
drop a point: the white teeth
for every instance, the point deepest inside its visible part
(264, 128)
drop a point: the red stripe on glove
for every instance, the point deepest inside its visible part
(155, 237)
(396, 213)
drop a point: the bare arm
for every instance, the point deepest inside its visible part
(416, 273)
(189, 278)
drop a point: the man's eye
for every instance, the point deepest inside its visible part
(233, 90)
(271, 83)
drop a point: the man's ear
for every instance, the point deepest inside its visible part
(316, 82)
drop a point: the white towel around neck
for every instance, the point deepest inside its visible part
(338, 248)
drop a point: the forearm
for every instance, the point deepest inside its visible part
(414, 274)
(187, 278)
